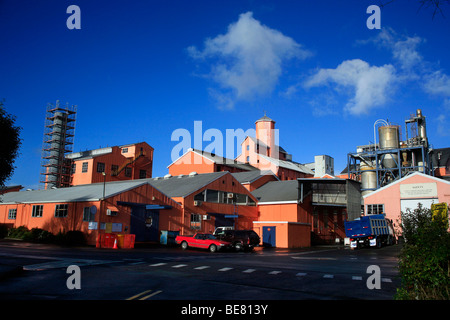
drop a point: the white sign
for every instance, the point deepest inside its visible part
(418, 190)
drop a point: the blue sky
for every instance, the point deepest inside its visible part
(138, 70)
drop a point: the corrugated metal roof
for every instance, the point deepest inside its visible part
(276, 191)
(288, 164)
(250, 176)
(88, 192)
(184, 185)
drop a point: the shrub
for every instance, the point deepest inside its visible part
(70, 238)
(424, 259)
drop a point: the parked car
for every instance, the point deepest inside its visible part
(203, 241)
(240, 239)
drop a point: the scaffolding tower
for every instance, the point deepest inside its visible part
(59, 131)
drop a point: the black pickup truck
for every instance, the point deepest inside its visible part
(240, 239)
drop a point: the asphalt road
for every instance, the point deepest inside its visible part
(169, 273)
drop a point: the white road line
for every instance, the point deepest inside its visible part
(158, 264)
(356, 278)
(301, 274)
(225, 269)
(249, 271)
(328, 276)
(201, 268)
(275, 272)
(386, 280)
(151, 295)
(180, 266)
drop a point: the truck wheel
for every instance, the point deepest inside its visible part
(212, 248)
(238, 246)
(184, 245)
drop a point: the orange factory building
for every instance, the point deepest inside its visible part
(260, 153)
(112, 191)
(144, 207)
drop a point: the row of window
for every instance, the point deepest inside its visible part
(216, 196)
(101, 168)
(61, 211)
(375, 208)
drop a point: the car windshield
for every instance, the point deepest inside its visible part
(209, 237)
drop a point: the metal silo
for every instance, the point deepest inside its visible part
(389, 139)
(368, 178)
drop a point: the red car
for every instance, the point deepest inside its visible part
(203, 241)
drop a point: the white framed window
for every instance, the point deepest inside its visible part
(374, 209)
(12, 214)
(37, 211)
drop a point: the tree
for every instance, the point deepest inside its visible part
(424, 259)
(9, 144)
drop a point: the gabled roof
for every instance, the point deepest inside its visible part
(416, 173)
(184, 185)
(251, 176)
(277, 191)
(219, 160)
(80, 193)
(288, 165)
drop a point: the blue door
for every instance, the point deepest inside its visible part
(144, 224)
(269, 236)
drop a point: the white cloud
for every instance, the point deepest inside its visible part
(370, 85)
(248, 59)
(437, 83)
(403, 48)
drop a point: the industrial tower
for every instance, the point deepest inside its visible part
(58, 140)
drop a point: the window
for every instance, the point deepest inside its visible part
(196, 221)
(248, 147)
(212, 196)
(61, 210)
(375, 208)
(128, 172)
(37, 211)
(114, 168)
(12, 213)
(142, 174)
(84, 167)
(241, 198)
(200, 196)
(74, 167)
(100, 167)
(87, 215)
(124, 150)
(248, 158)
(325, 218)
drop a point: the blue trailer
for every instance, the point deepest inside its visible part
(371, 230)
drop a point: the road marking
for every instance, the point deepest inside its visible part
(138, 295)
(275, 272)
(224, 269)
(249, 271)
(386, 280)
(158, 264)
(151, 295)
(64, 263)
(201, 268)
(356, 278)
(180, 266)
(328, 276)
(301, 274)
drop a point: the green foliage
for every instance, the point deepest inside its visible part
(424, 259)
(69, 238)
(9, 144)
